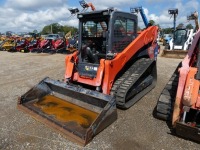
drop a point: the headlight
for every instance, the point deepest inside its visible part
(80, 16)
(105, 13)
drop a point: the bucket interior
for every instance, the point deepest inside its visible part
(71, 108)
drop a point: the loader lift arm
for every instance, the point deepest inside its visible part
(194, 16)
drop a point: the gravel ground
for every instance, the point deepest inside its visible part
(135, 128)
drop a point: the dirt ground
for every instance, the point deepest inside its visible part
(135, 128)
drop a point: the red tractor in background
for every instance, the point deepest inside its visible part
(43, 45)
(22, 45)
(33, 44)
(57, 46)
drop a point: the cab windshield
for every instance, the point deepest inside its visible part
(94, 28)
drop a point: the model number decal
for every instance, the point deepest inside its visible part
(90, 68)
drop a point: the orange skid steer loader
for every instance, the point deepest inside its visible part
(179, 101)
(114, 66)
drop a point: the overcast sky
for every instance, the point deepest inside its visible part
(28, 15)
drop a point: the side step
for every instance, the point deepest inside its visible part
(77, 113)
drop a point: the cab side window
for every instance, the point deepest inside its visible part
(123, 33)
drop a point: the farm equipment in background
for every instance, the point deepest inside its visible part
(57, 46)
(22, 45)
(43, 45)
(114, 66)
(179, 44)
(72, 44)
(181, 41)
(2, 41)
(2, 38)
(166, 40)
(8, 44)
(34, 43)
(179, 101)
(57, 43)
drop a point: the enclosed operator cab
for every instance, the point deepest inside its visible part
(102, 35)
(182, 39)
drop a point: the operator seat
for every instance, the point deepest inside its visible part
(89, 55)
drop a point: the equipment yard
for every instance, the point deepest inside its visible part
(135, 128)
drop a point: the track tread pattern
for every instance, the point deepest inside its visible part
(165, 104)
(123, 84)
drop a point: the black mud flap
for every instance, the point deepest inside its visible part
(77, 113)
(188, 132)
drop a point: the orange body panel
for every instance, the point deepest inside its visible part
(69, 61)
(112, 67)
(198, 102)
(183, 76)
(191, 89)
(108, 69)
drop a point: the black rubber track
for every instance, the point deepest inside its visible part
(139, 79)
(165, 104)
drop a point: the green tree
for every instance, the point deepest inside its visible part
(35, 31)
(56, 27)
(167, 30)
(189, 26)
(46, 29)
(181, 25)
(152, 22)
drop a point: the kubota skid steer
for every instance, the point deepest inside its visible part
(179, 101)
(113, 66)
